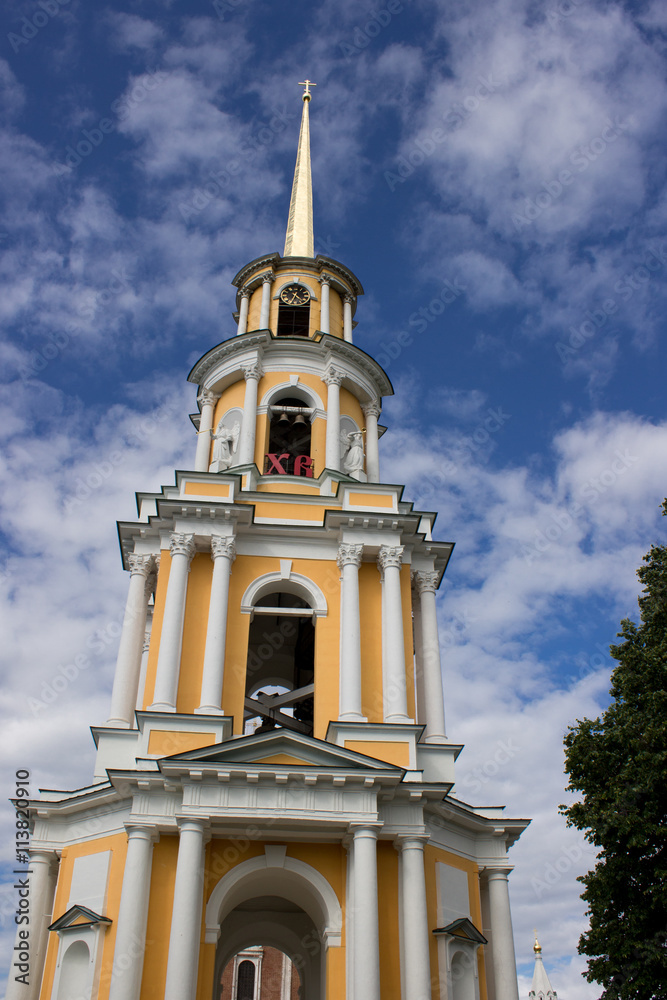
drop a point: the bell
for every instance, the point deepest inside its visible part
(283, 418)
(299, 420)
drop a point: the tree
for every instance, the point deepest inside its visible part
(618, 762)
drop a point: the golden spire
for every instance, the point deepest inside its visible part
(299, 239)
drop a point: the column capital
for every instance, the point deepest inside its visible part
(411, 841)
(372, 409)
(390, 556)
(136, 831)
(223, 545)
(268, 278)
(425, 582)
(348, 298)
(141, 565)
(207, 397)
(368, 830)
(349, 555)
(182, 545)
(245, 292)
(496, 874)
(325, 279)
(191, 824)
(333, 376)
(252, 371)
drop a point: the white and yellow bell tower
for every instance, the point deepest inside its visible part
(275, 770)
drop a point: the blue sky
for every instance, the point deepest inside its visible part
(495, 175)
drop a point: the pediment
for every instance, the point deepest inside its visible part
(278, 749)
(78, 916)
(462, 928)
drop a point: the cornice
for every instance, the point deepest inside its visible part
(266, 259)
(227, 349)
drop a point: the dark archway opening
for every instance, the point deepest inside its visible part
(281, 657)
(289, 439)
(293, 321)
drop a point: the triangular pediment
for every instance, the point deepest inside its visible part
(462, 928)
(281, 748)
(78, 916)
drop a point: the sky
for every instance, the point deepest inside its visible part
(494, 173)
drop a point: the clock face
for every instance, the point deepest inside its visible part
(295, 295)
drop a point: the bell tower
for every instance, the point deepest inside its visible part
(275, 770)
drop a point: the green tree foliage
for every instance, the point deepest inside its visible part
(618, 762)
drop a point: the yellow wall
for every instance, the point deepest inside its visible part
(117, 844)
(288, 273)
(433, 855)
(194, 633)
(335, 314)
(390, 967)
(163, 877)
(370, 606)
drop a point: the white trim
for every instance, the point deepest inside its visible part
(296, 389)
(297, 584)
(293, 880)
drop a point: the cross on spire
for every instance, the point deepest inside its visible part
(307, 84)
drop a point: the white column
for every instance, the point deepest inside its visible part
(372, 412)
(414, 919)
(128, 959)
(366, 930)
(349, 560)
(426, 585)
(243, 312)
(267, 281)
(182, 548)
(42, 886)
(417, 630)
(347, 318)
(333, 379)
(349, 919)
(252, 375)
(128, 663)
(393, 666)
(325, 281)
(186, 918)
(207, 399)
(223, 553)
(502, 940)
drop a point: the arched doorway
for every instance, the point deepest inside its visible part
(260, 972)
(279, 902)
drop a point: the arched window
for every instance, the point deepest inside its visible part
(289, 439)
(281, 657)
(245, 981)
(294, 312)
(74, 972)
